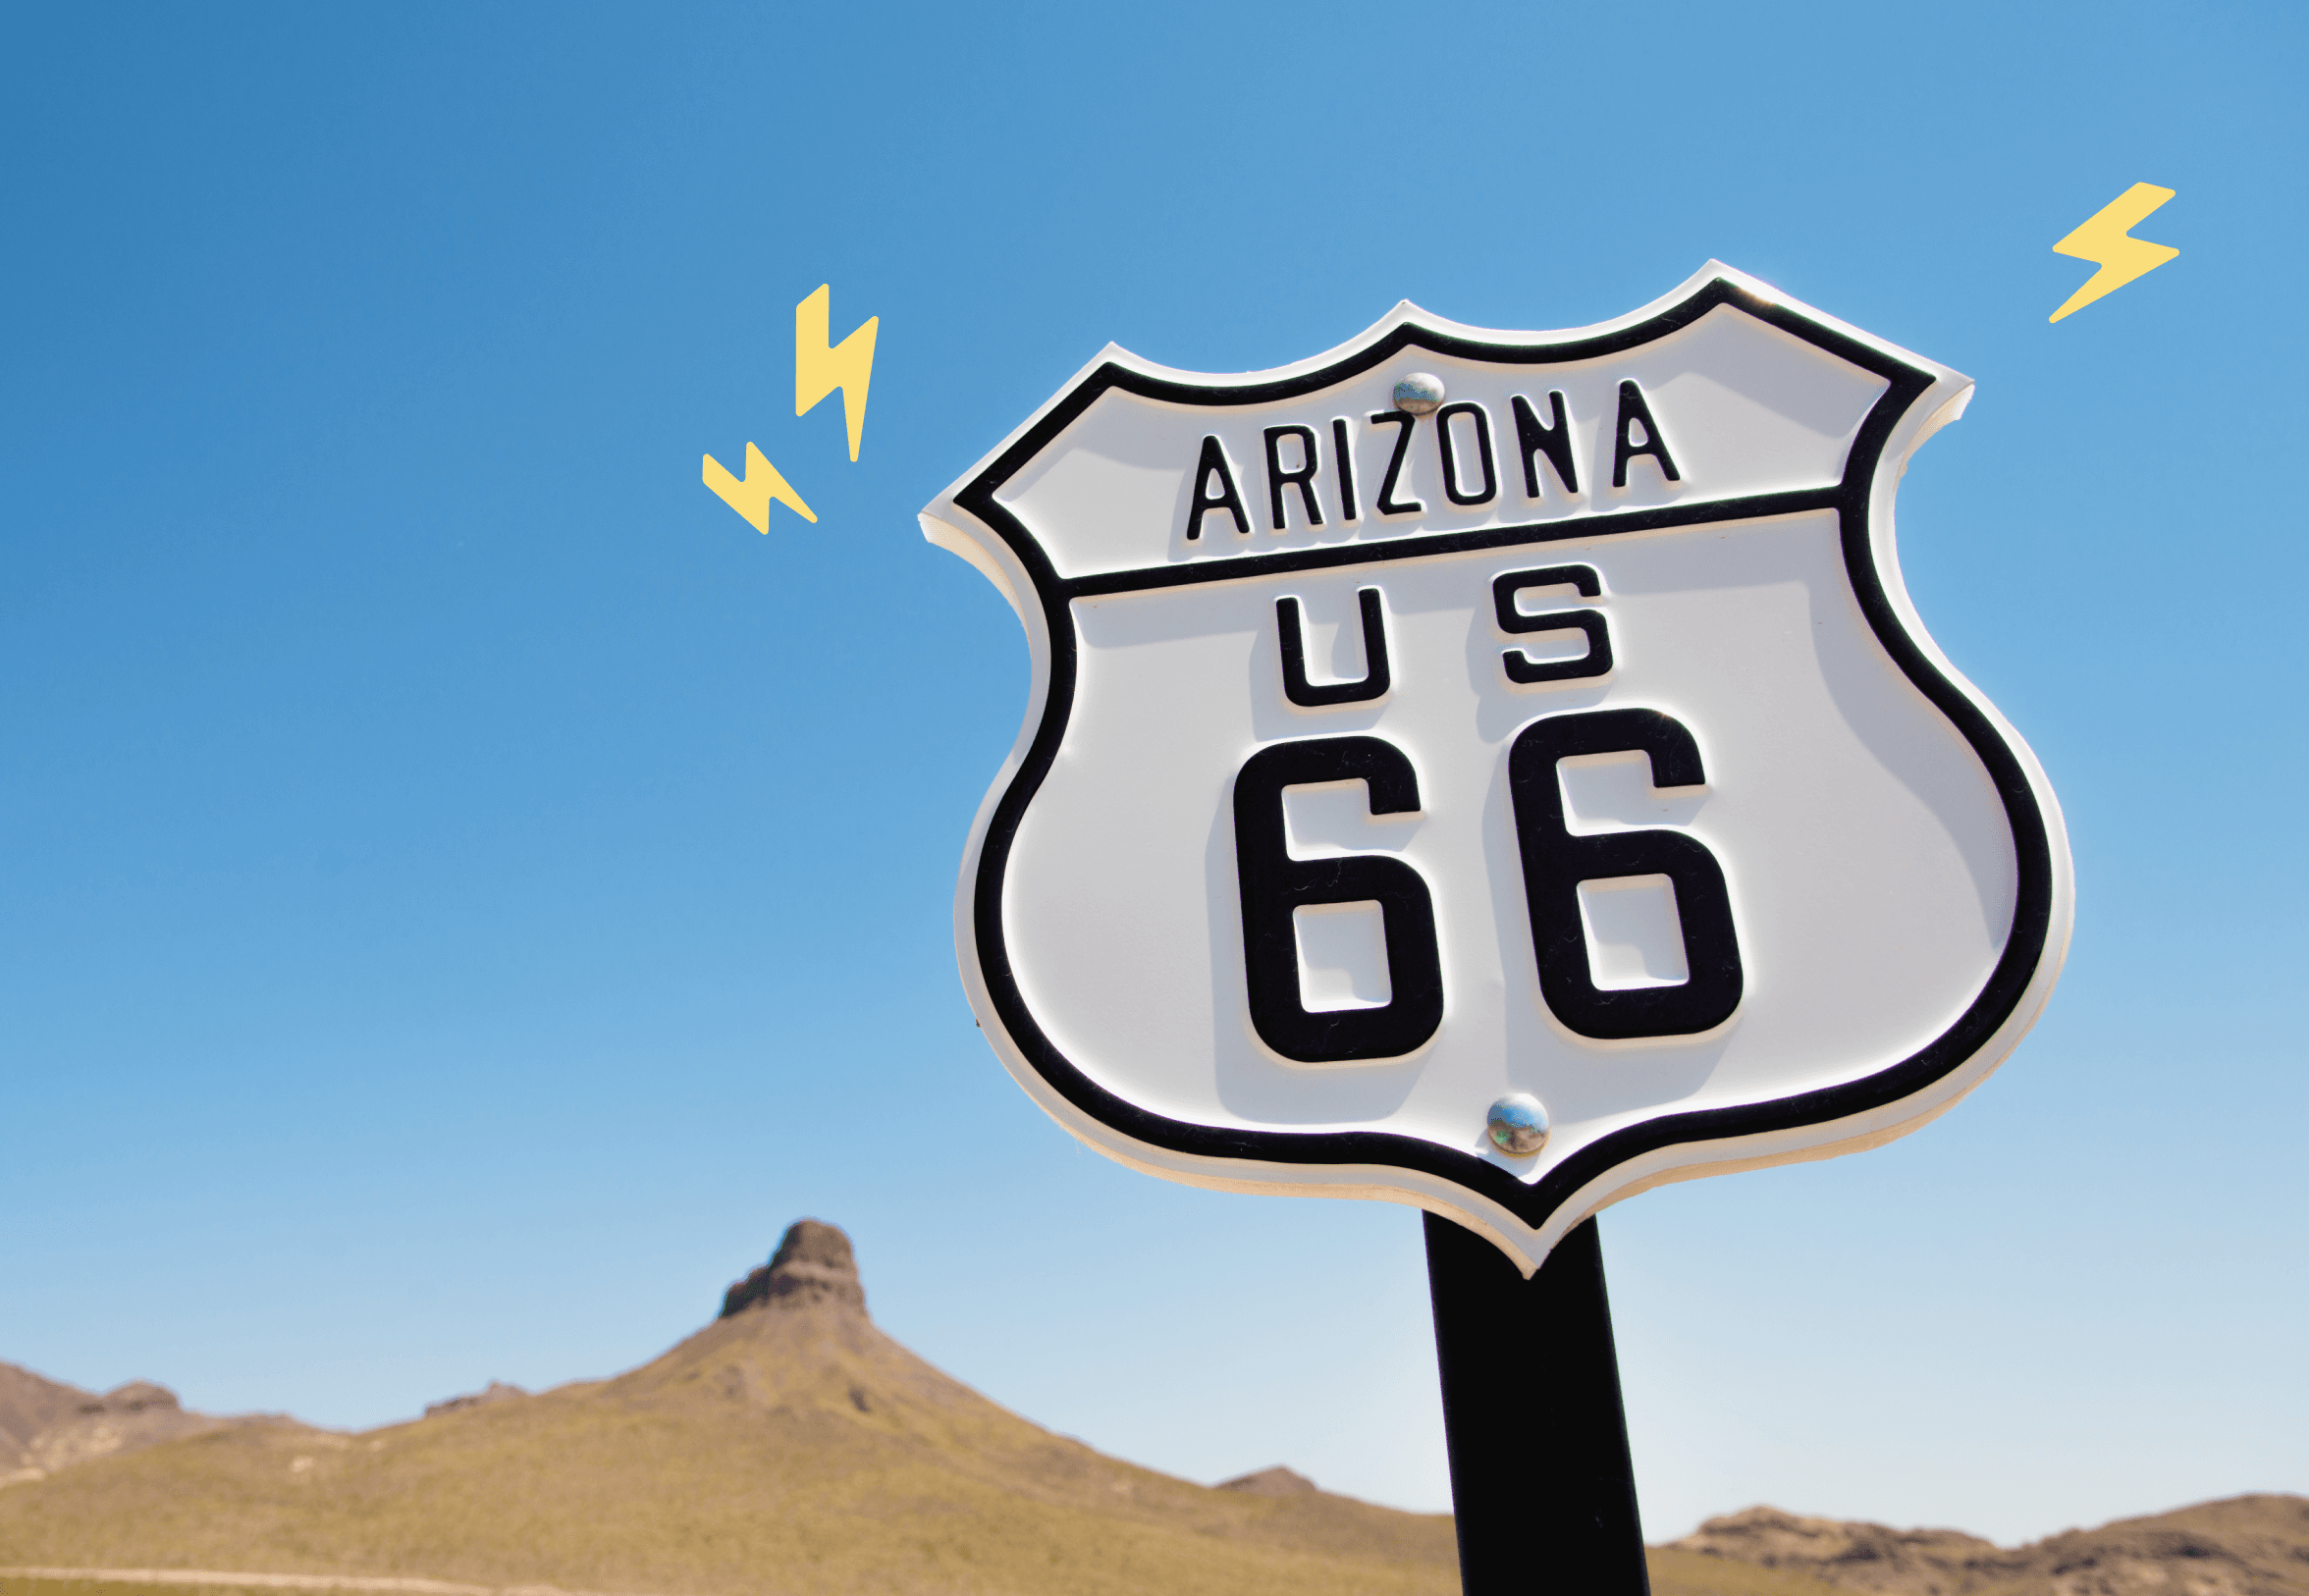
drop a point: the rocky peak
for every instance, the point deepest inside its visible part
(1862, 1556)
(1275, 1481)
(813, 1264)
(136, 1396)
(498, 1391)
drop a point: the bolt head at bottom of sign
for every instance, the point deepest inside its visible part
(1517, 1125)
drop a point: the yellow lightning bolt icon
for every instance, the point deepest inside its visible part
(750, 496)
(2104, 241)
(820, 370)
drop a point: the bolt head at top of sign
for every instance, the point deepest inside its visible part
(1495, 772)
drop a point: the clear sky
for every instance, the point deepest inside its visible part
(462, 890)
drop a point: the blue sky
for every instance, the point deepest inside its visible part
(462, 891)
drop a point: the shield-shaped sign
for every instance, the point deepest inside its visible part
(1495, 772)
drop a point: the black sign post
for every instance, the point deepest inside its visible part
(1541, 1483)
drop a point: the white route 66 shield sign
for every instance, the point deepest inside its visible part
(1495, 772)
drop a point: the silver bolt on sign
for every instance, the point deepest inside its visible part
(1574, 741)
(1518, 1125)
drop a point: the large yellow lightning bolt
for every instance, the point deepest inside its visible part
(751, 497)
(2104, 240)
(819, 370)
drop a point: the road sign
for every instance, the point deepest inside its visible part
(1495, 772)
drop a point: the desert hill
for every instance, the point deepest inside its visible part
(792, 1447)
(2245, 1545)
(789, 1446)
(46, 1425)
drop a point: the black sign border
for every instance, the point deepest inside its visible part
(1535, 1203)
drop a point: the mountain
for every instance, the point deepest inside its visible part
(791, 1447)
(788, 1447)
(2245, 1545)
(46, 1425)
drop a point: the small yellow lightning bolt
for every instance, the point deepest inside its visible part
(751, 497)
(2104, 240)
(820, 370)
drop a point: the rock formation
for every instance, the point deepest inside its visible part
(813, 1264)
(498, 1391)
(1861, 1556)
(1275, 1481)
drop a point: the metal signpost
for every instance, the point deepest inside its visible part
(1497, 773)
